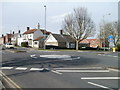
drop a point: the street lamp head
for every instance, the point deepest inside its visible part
(44, 5)
(109, 13)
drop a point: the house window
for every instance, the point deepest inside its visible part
(35, 42)
(72, 45)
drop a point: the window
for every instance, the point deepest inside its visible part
(35, 42)
(72, 45)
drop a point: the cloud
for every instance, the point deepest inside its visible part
(58, 18)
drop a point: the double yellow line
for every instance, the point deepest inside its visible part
(9, 82)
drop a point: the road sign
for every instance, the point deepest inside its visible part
(110, 38)
(111, 44)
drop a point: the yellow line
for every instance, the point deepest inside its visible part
(10, 81)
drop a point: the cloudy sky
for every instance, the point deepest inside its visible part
(19, 15)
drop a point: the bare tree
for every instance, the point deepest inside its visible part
(78, 25)
(107, 29)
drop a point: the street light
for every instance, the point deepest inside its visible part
(45, 27)
(104, 24)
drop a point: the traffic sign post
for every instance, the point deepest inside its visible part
(111, 41)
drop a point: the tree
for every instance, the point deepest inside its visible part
(78, 25)
(110, 28)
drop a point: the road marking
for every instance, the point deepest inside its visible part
(55, 56)
(112, 78)
(82, 70)
(21, 68)
(107, 55)
(115, 56)
(6, 67)
(10, 82)
(36, 69)
(56, 72)
(99, 85)
(32, 55)
(111, 69)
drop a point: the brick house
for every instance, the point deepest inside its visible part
(5, 39)
(90, 43)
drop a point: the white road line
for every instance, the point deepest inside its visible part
(108, 55)
(115, 56)
(36, 69)
(55, 56)
(21, 68)
(67, 59)
(6, 67)
(112, 78)
(56, 72)
(82, 71)
(76, 58)
(81, 68)
(99, 85)
(32, 55)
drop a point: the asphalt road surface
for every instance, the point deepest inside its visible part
(61, 69)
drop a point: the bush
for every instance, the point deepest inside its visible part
(118, 47)
(24, 44)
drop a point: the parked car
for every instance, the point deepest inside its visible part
(9, 45)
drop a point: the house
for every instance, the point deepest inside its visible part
(14, 38)
(90, 43)
(5, 39)
(39, 42)
(2, 39)
(8, 38)
(60, 40)
(32, 36)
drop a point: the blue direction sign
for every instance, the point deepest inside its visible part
(110, 38)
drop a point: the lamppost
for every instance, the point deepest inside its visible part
(45, 27)
(103, 29)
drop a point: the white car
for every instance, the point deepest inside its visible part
(9, 45)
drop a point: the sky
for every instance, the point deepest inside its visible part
(20, 15)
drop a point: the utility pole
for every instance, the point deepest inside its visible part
(45, 27)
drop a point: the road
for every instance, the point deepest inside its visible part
(61, 69)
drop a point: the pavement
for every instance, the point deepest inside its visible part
(61, 69)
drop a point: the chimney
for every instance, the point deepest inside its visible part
(28, 28)
(61, 32)
(38, 26)
(2, 35)
(13, 32)
(19, 31)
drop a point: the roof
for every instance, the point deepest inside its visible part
(88, 40)
(69, 38)
(33, 30)
(39, 38)
(30, 31)
(63, 38)
(15, 35)
(45, 32)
